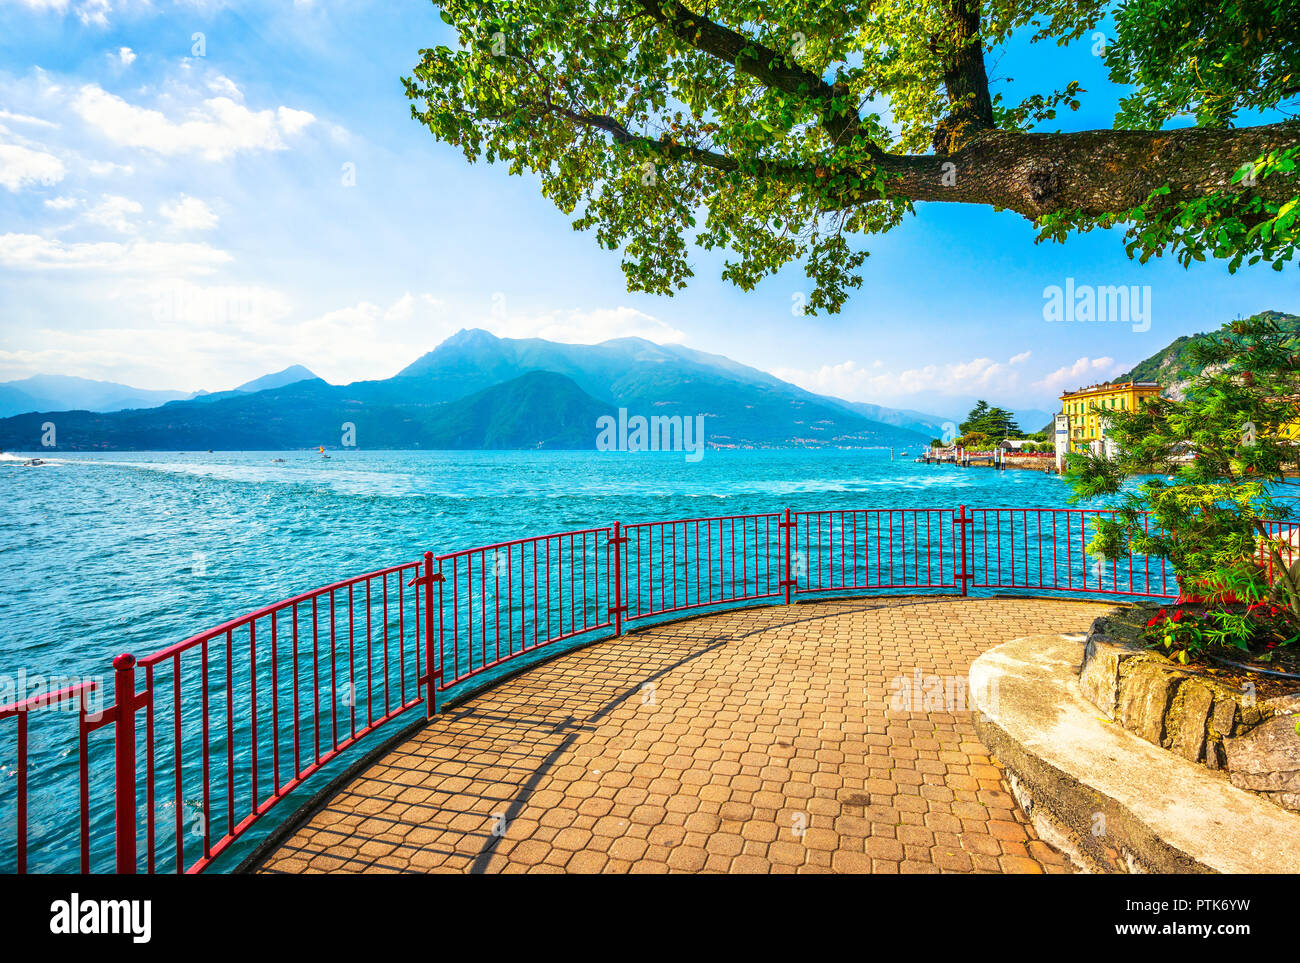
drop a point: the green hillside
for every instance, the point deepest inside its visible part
(1171, 364)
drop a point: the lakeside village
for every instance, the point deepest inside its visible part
(990, 437)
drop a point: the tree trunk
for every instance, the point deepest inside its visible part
(1097, 172)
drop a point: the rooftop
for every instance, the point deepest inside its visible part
(1121, 386)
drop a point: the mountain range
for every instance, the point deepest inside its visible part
(476, 390)
(66, 393)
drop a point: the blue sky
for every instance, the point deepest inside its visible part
(177, 213)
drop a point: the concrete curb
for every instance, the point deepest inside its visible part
(1110, 800)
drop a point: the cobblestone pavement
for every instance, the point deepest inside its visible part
(762, 740)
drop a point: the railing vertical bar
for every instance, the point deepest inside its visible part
(401, 637)
(352, 661)
(207, 776)
(387, 671)
(151, 854)
(297, 708)
(179, 774)
(252, 712)
(83, 766)
(334, 689)
(275, 706)
(315, 675)
(230, 730)
(21, 826)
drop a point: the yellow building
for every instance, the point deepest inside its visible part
(1087, 407)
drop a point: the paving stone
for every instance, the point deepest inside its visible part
(776, 751)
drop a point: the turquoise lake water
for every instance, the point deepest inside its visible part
(101, 554)
(109, 553)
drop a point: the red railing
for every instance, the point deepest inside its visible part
(914, 548)
(232, 721)
(670, 567)
(502, 601)
(1046, 550)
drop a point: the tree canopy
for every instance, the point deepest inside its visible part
(782, 132)
(1229, 450)
(996, 423)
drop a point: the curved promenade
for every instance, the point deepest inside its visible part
(759, 740)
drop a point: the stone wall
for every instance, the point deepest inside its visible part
(1203, 719)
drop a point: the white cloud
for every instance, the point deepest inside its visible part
(67, 202)
(583, 327)
(105, 168)
(32, 252)
(254, 310)
(292, 121)
(23, 166)
(94, 12)
(189, 213)
(89, 12)
(125, 56)
(113, 211)
(403, 309)
(223, 85)
(852, 381)
(26, 119)
(214, 130)
(57, 6)
(1084, 371)
(367, 340)
(163, 329)
(1020, 358)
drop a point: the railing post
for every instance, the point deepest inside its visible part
(124, 706)
(431, 677)
(616, 610)
(788, 579)
(965, 575)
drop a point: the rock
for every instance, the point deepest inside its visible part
(1267, 758)
(1202, 719)
(1223, 723)
(1282, 705)
(1144, 698)
(1099, 677)
(1186, 725)
(1287, 800)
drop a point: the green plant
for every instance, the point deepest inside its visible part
(1227, 447)
(1259, 629)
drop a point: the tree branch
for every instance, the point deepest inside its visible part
(839, 115)
(964, 78)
